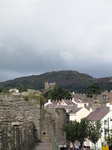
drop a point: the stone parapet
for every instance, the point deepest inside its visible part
(15, 108)
(17, 137)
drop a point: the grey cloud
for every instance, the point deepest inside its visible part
(44, 35)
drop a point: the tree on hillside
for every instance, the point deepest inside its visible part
(71, 131)
(5, 90)
(1, 89)
(21, 88)
(93, 89)
(59, 93)
(94, 131)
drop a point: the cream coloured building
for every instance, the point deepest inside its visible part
(79, 113)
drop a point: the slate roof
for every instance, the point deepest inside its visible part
(76, 110)
(70, 107)
(98, 113)
(61, 106)
(69, 102)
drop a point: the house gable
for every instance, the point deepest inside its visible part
(78, 114)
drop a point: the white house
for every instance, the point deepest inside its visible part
(104, 114)
(49, 102)
(14, 90)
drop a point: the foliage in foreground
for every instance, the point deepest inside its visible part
(70, 130)
(94, 131)
(108, 137)
(81, 130)
(76, 131)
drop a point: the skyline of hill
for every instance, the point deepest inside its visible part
(68, 79)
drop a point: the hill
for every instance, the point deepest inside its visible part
(71, 80)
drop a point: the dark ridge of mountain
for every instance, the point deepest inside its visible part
(71, 80)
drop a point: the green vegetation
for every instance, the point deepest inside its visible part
(76, 131)
(93, 89)
(4, 90)
(1, 89)
(71, 131)
(59, 93)
(82, 130)
(21, 88)
(108, 137)
(38, 97)
(94, 131)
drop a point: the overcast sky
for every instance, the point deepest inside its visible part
(38, 36)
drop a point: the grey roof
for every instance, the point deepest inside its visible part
(58, 104)
(98, 113)
(70, 107)
(75, 110)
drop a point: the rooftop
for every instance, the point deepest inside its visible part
(98, 113)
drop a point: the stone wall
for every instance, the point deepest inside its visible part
(53, 120)
(16, 131)
(49, 85)
(17, 109)
(16, 137)
(45, 125)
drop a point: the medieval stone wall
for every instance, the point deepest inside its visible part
(17, 137)
(17, 109)
(16, 129)
(53, 120)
